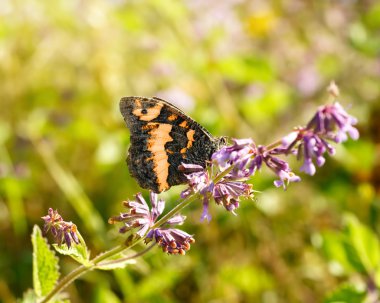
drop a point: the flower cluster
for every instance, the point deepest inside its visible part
(227, 190)
(141, 218)
(236, 164)
(246, 158)
(62, 231)
(232, 166)
(331, 122)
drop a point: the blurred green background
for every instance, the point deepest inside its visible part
(242, 69)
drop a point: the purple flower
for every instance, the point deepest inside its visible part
(228, 193)
(334, 122)
(139, 216)
(238, 153)
(228, 190)
(173, 241)
(278, 166)
(232, 166)
(313, 146)
(62, 231)
(247, 158)
(197, 177)
(285, 178)
(205, 213)
(143, 218)
(331, 122)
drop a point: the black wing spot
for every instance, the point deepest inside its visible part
(144, 111)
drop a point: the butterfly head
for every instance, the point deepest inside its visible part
(221, 141)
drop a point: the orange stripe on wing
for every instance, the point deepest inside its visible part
(172, 117)
(184, 124)
(147, 114)
(156, 145)
(190, 138)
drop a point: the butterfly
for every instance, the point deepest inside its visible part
(162, 137)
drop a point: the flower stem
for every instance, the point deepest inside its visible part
(273, 145)
(121, 260)
(85, 268)
(96, 261)
(65, 282)
(188, 200)
(175, 210)
(223, 174)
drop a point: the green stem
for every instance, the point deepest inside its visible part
(121, 260)
(83, 269)
(223, 174)
(273, 145)
(175, 210)
(187, 201)
(66, 281)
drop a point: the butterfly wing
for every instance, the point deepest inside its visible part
(162, 137)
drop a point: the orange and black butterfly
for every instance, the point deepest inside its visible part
(163, 137)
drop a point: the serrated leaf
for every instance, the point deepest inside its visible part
(345, 294)
(365, 243)
(28, 297)
(45, 264)
(78, 252)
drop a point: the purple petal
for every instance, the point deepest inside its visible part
(176, 220)
(353, 132)
(320, 161)
(153, 199)
(189, 168)
(74, 237)
(185, 193)
(142, 231)
(67, 239)
(289, 139)
(308, 167)
(140, 199)
(205, 213)
(278, 183)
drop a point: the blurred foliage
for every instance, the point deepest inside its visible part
(241, 68)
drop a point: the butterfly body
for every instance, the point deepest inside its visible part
(163, 137)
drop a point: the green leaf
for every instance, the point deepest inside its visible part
(113, 263)
(355, 249)
(335, 248)
(45, 264)
(103, 294)
(78, 252)
(353, 257)
(345, 293)
(28, 297)
(365, 243)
